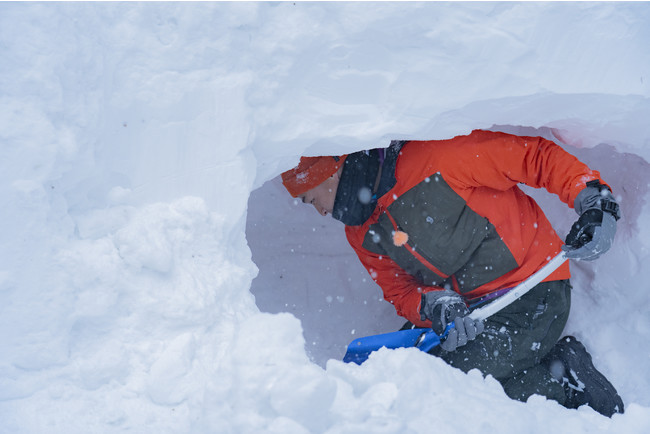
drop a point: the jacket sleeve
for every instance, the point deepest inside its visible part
(400, 288)
(500, 161)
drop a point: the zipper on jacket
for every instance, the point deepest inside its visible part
(416, 255)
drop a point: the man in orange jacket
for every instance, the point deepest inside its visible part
(443, 228)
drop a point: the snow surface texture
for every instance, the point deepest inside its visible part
(139, 141)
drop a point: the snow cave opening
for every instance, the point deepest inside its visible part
(307, 268)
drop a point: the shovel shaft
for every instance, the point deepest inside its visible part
(426, 339)
(518, 291)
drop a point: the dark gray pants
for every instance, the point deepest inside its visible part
(516, 339)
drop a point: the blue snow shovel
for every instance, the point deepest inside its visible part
(426, 339)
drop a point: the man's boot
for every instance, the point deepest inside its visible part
(571, 365)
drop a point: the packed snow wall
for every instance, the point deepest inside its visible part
(139, 140)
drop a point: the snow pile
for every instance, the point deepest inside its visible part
(137, 142)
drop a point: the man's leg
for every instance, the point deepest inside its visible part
(515, 341)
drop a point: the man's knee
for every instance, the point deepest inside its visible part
(534, 381)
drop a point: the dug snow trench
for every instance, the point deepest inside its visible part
(307, 268)
(140, 138)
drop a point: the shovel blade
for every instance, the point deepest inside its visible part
(359, 349)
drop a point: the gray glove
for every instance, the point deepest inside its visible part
(465, 329)
(593, 233)
(443, 307)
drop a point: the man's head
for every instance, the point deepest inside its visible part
(315, 181)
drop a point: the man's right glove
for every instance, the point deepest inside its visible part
(443, 307)
(593, 233)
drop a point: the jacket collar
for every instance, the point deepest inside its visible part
(366, 176)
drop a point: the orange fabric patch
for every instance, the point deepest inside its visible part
(400, 238)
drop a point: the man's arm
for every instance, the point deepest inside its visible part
(424, 306)
(400, 289)
(501, 161)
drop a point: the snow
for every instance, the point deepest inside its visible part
(156, 277)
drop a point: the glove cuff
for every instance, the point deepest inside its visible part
(597, 196)
(441, 307)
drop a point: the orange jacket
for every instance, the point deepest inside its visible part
(468, 225)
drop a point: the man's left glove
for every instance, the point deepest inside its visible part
(443, 307)
(465, 329)
(593, 233)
